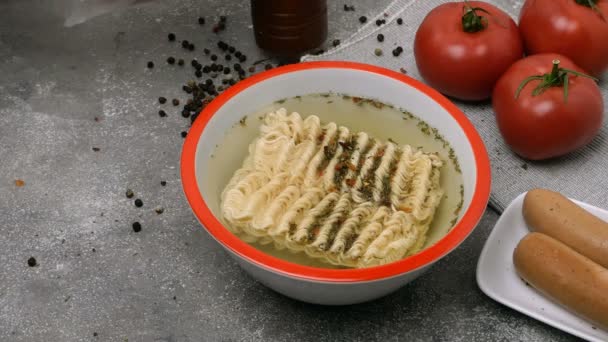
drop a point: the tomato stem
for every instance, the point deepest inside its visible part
(471, 21)
(593, 5)
(558, 77)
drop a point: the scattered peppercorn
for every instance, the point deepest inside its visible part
(226, 71)
(150, 65)
(206, 51)
(162, 113)
(380, 37)
(378, 52)
(171, 37)
(348, 8)
(96, 149)
(139, 203)
(336, 42)
(184, 134)
(198, 66)
(214, 58)
(231, 49)
(201, 21)
(191, 47)
(206, 69)
(31, 262)
(185, 113)
(180, 62)
(397, 51)
(228, 57)
(163, 183)
(94, 334)
(399, 21)
(243, 58)
(175, 102)
(162, 100)
(136, 227)
(185, 44)
(362, 19)
(171, 60)
(209, 82)
(380, 22)
(129, 193)
(198, 73)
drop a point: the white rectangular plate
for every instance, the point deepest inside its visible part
(497, 278)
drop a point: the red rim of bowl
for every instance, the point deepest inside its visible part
(427, 256)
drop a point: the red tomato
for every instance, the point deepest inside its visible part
(565, 27)
(546, 125)
(462, 64)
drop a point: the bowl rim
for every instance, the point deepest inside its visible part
(427, 256)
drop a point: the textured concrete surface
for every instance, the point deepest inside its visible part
(96, 279)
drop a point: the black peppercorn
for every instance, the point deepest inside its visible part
(201, 21)
(136, 227)
(163, 183)
(198, 66)
(378, 22)
(228, 57)
(231, 49)
(162, 100)
(399, 21)
(180, 62)
(187, 89)
(139, 203)
(31, 262)
(206, 51)
(185, 113)
(162, 114)
(185, 44)
(336, 42)
(206, 69)
(184, 134)
(194, 63)
(226, 71)
(175, 102)
(237, 66)
(232, 82)
(243, 58)
(150, 65)
(213, 67)
(214, 58)
(171, 60)
(209, 82)
(198, 73)
(191, 47)
(238, 54)
(171, 37)
(380, 37)
(362, 19)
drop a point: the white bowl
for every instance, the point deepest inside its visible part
(323, 285)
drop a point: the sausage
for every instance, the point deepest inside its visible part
(553, 214)
(564, 275)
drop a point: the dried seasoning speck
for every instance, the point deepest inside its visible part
(31, 262)
(163, 183)
(336, 42)
(136, 227)
(129, 193)
(378, 52)
(243, 121)
(403, 71)
(19, 183)
(159, 210)
(524, 166)
(96, 149)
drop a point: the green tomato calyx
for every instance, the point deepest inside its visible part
(558, 77)
(471, 21)
(593, 5)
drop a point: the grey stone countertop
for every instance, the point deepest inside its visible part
(65, 91)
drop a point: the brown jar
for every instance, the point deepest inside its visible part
(289, 27)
